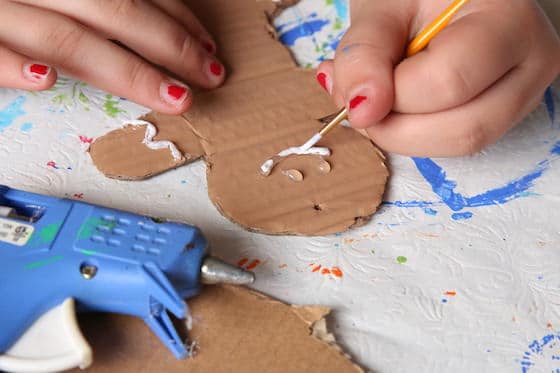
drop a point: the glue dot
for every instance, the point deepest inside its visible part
(294, 175)
(324, 167)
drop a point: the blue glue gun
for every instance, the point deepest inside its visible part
(58, 256)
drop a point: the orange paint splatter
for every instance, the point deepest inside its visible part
(282, 265)
(337, 272)
(348, 240)
(253, 264)
(549, 325)
(451, 293)
(326, 271)
(316, 269)
(311, 264)
(242, 262)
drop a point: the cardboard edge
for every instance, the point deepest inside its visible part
(315, 318)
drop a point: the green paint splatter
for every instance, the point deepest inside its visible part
(48, 233)
(88, 252)
(401, 259)
(42, 263)
(86, 230)
(110, 106)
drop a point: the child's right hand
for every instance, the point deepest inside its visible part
(39, 37)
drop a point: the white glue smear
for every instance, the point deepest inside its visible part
(268, 165)
(151, 131)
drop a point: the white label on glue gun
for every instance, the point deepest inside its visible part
(15, 232)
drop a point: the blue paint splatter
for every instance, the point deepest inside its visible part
(26, 127)
(550, 106)
(408, 203)
(430, 211)
(11, 112)
(555, 149)
(537, 347)
(462, 215)
(341, 7)
(444, 300)
(305, 29)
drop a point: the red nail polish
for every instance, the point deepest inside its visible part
(356, 101)
(216, 68)
(208, 46)
(39, 69)
(176, 91)
(322, 79)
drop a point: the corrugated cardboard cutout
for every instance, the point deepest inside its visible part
(266, 105)
(236, 330)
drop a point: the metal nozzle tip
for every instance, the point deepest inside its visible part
(214, 271)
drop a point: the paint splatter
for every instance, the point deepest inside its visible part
(87, 229)
(316, 269)
(462, 215)
(450, 293)
(111, 106)
(444, 300)
(244, 262)
(402, 259)
(542, 355)
(549, 102)
(302, 30)
(78, 195)
(49, 232)
(283, 265)
(253, 264)
(430, 211)
(26, 127)
(337, 272)
(52, 164)
(85, 139)
(11, 111)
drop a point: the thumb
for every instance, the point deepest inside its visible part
(366, 57)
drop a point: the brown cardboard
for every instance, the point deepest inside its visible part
(266, 105)
(237, 330)
(121, 154)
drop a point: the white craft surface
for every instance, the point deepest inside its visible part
(422, 290)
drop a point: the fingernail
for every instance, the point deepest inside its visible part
(173, 92)
(208, 46)
(325, 82)
(36, 72)
(356, 101)
(214, 71)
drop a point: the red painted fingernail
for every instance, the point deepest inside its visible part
(216, 68)
(356, 101)
(322, 79)
(208, 46)
(173, 93)
(35, 71)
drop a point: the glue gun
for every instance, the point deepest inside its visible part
(58, 256)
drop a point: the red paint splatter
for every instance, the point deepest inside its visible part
(216, 68)
(86, 140)
(451, 293)
(316, 269)
(549, 325)
(337, 272)
(326, 271)
(253, 264)
(284, 265)
(51, 164)
(311, 264)
(79, 195)
(242, 262)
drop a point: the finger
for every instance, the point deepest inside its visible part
(178, 10)
(462, 61)
(365, 58)
(470, 127)
(21, 72)
(61, 42)
(149, 31)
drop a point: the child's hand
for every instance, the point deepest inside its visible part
(39, 37)
(477, 78)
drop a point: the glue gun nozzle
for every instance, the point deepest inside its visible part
(214, 271)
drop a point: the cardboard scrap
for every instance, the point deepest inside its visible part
(266, 105)
(237, 330)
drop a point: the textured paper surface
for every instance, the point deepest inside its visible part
(236, 330)
(266, 105)
(428, 285)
